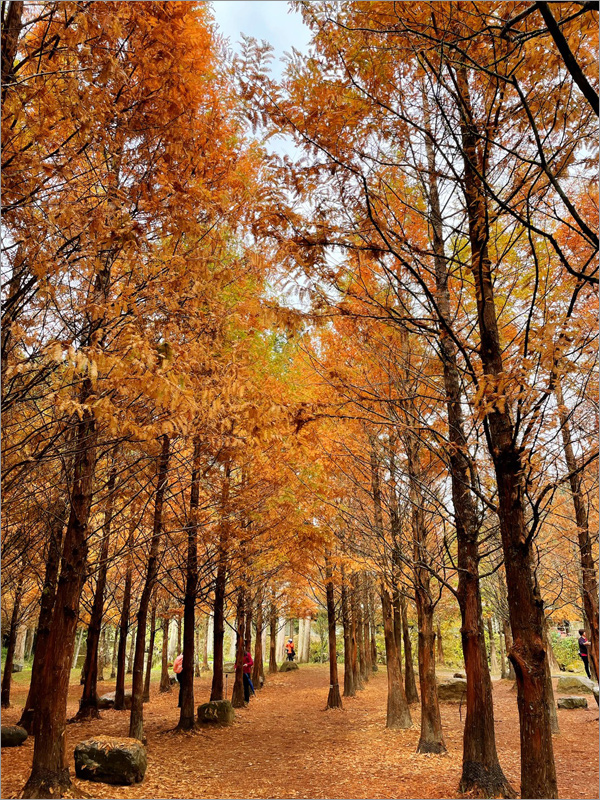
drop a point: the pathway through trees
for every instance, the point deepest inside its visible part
(286, 745)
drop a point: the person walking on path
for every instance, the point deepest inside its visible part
(583, 652)
(247, 669)
(178, 669)
(290, 649)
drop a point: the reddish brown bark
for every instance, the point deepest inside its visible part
(217, 689)
(334, 698)
(273, 638)
(237, 693)
(528, 654)
(45, 618)
(349, 689)
(187, 717)
(354, 635)
(12, 640)
(136, 721)
(88, 705)
(258, 674)
(124, 623)
(398, 712)
(49, 772)
(148, 675)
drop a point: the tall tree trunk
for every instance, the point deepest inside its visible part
(88, 705)
(334, 699)
(50, 772)
(398, 712)
(374, 666)
(216, 692)
(273, 668)
(165, 680)
(205, 642)
(528, 654)
(354, 634)
(237, 693)
(410, 682)
(136, 721)
(113, 659)
(46, 607)
(147, 677)
(124, 622)
(349, 690)
(187, 715)
(481, 770)
(12, 639)
(11, 29)
(248, 610)
(508, 643)
(503, 667)
(367, 626)
(257, 669)
(588, 565)
(198, 651)
(439, 651)
(131, 654)
(360, 629)
(397, 621)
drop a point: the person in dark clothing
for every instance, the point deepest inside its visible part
(247, 669)
(583, 652)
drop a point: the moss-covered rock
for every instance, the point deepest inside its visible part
(112, 760)
(108, 700)
(453, 690)
(217, 712)
(288, 666)
(572, 702)
(574, 683)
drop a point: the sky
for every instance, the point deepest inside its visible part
(272, 20)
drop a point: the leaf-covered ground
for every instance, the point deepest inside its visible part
(285, 746)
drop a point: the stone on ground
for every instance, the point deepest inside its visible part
(572, 702)
(217, 712)
(453, 690)
(13, 735)
(460, 675)
(288, 666)
(109, 759)
(229, 667)
(108, 700)
(575, 683)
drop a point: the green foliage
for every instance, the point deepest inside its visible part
(565, 648)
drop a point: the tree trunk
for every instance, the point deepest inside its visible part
(11, 30)
(307, 629)
(431, 739)
(216, 692)
(503, 668)
(257, 669)
(113, 660)
(237, 693)
(12, 639)
(374, 666)
(354, 635)
(205, 642)
(136, 721)
(198, 651)
(334, 699)
(88, 705)
(410, 683)
(124, 623)
(187, 717)
(507, 646)
(45, 617)
(360, 630)
(367, 627)
(588, 565)
(349, 690)
(146, 696)
(50, 772)
(397, 620)
(165, 681)
(273, 668)
(131, 653)
(398, 712)
(528, 655)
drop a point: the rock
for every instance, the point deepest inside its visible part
(108, 700)
(460, 675)
(17, 668)
(572, 702)
(13, 735)
(217, 712)
(288, 666)
(595, 691)
(109, 759)
(574, 683)
(453, 690)
(229, 667)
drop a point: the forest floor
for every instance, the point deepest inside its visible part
(284, 745)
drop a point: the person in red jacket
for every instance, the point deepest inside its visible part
(178, 669)
(247, 669)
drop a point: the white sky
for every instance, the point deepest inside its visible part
(272, 20)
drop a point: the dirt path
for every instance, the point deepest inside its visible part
(286, 746)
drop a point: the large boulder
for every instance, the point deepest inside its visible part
(13, 735)
(108, 759)
(288, 666)
(229, 667)
(217, 712)
(108, 700)
(572, 702)
(453, 690)
(574, 683)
